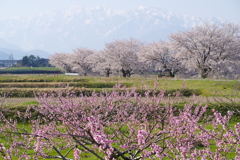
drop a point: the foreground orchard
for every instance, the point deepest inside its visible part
(118, 126)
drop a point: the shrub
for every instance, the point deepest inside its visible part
(43, 79)
(29, 92)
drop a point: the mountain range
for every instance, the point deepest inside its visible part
(62, 31)
(7, 49)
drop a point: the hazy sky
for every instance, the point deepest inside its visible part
(226, 9)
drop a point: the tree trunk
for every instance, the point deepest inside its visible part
(128, 73)
(204, 73)
(108, 73)
(124, 73)
(171, 74)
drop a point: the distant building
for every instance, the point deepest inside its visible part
(8, 63)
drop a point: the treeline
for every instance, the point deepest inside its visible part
(208, 50)
(33, 61)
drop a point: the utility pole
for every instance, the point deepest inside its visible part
(11, 59)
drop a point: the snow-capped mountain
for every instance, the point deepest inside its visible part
(62, 31)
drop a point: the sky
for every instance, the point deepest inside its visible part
(226, 9)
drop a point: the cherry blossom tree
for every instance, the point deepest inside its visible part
(209, 47)
(80, 60)
(122, 55)
(160, 56)
(62, 61)
(100, 64)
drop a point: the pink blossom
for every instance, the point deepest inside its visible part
(76, 154)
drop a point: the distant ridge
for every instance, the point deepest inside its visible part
(5, 44)
(38, 52)
(4, 56)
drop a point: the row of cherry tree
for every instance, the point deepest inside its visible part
(205, 50)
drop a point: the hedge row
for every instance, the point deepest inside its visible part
(57, 85)
(223, 108)
(45, 79)
(31, 68)
(29, 92)
(30, 72)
